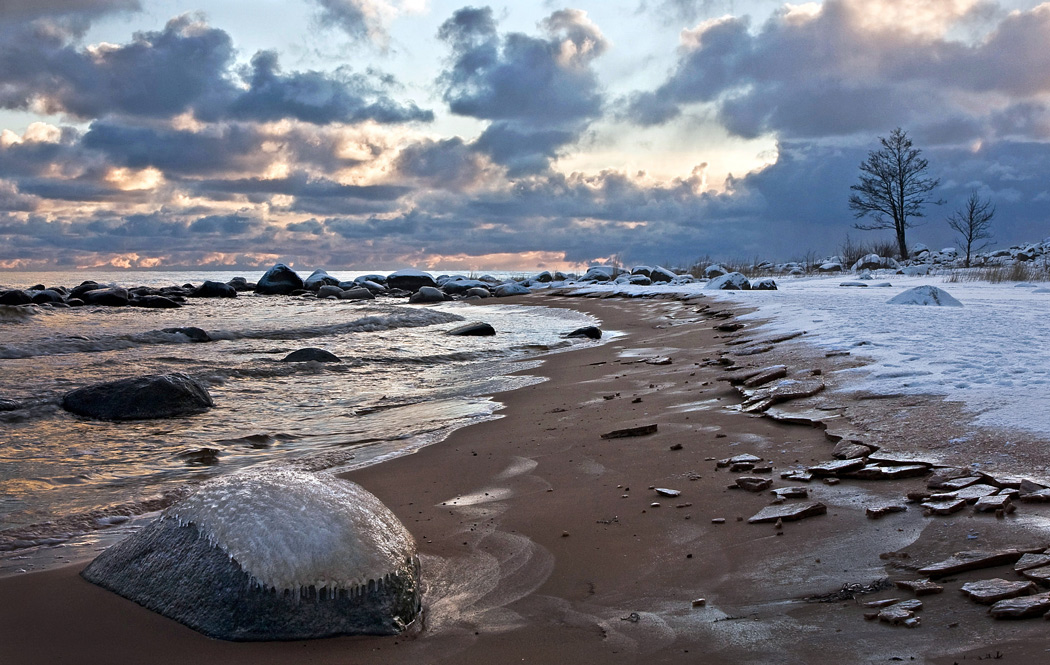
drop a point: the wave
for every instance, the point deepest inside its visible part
(69, 344)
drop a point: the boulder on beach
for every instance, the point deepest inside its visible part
(15, 297)
(210, 289)
(732, 281)
(478, 329)
(311, 354)
(319, 278)
(113, 296)
(427, 294)
(478, 292)
(659, 274)
(140, 398)
(410, 280)
(590, 332)
(279, 280)
(764, 284)
(925, 295)
(510, 289)
(271, 554)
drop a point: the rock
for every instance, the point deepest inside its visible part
(332, 291)
(988, 592)
(427, 294)
(590, 332)
(836, 467)
(478, 292)
(745, 458)
(946, 507)
(210, 289)
(271, 554)
(830, 266)
(753, 484)
(140, 398)
(972, 560)
(920, 587)
(1040, 574)
(733, 281)
(783, 390)
(44, 297)
(658, 275)
(763, 284)
(311, 354)
(791, 492)
(714, 270)
(951, 479)
(765, 375)
(1021, 608)
(797, 476)
(194, 334)
(240, 284)
(789, 512)
(319, 278)
(114, 296)
(510, 289)
(641, 430)
(925, 295)
(154, 302)
(409, 280)
(663, 491)
(850, 450)
(877, 472)
(15, 297)
(971, 493)
(473, 330)
(279, 280)
(879, 511)
(1042, 496)
(1031, 561)
(357, 293)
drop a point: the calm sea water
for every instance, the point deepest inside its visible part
(403, 383)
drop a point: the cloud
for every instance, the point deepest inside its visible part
(186, 67)
(364, 19)
(538, 93)
(71, 17)
(853, 67)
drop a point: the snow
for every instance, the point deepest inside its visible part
(291, 529)
(989, 354)
(925, 295)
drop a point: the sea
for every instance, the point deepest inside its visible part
(403, 383)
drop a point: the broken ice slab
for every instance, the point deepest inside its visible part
(988, 592)
(789, 512)
(974, 560)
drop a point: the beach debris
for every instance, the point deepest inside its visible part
(879, 604)
(920, 587)
(641, 430)
(140, 398)
(1022, 607)
(788, 512)
(988, 592)
(477, 329)
(973, 560)
(237, 559)
(311, 354)
(663, 491)
(881, 510)
(850, 591)
(753, 484)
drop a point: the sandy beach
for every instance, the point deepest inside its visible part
(542, 542)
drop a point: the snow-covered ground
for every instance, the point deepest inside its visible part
(992, 354)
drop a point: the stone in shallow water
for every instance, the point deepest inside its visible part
(271, 554)
(311, 354)
(140, 398)
(992, 591)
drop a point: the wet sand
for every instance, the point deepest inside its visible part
(540, 541)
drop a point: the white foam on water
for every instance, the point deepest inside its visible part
(290, 529)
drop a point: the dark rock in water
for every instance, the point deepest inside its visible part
(428, 294)
(79, 290)
(311, 354)
(210, 289)
(590, 332)
(279, 280)
(15, 297)
(112, 297)
(272, 554)
(201, 456)
(75, 302)
(357, 293)
(473, 330)
(140, 398)
(240, 284)
(319, 278)
(8, 405)
(329, 291)
(43, 296)
(195, 334)
(409, 280)
(154, 302)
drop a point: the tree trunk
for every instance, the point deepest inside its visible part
(902, 246)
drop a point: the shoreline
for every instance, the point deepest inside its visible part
(540, 542)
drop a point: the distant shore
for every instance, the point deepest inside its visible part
(543, 542)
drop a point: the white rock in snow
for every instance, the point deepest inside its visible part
(925, 295)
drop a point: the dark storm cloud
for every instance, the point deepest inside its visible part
(832, 74)
(187, 66)
(222, 224)
(540, 94)
(447, 163)
(301, 185)
(216, 149)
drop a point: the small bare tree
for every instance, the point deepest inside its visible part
(973, 223)
(893, 187)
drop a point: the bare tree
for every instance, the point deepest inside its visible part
(893, 187)
(973, 223)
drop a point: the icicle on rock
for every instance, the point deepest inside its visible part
(246, 557)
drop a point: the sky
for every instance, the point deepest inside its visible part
(383, 134)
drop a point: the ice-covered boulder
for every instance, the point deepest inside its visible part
(271, 554)
(659, 274)
(428, 294)
(733, 281)
(830, 266)
(925, 295)
(639, 280)
(279, 280)
(140, 398)
(510, 289)
(714, 270)
(599, 273)
(764, 284)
